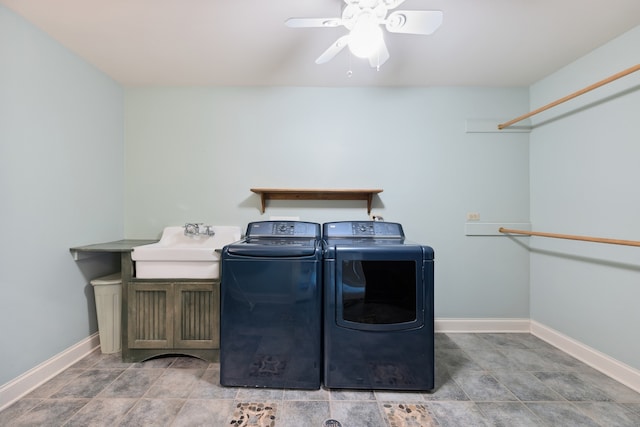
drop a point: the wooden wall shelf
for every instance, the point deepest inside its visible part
(315, 194)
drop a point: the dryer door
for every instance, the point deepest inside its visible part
(380, 289)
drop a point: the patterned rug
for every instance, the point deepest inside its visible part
(408, 415)
(254, 415)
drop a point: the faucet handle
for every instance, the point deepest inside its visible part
(190, 229)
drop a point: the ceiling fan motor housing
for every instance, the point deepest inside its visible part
(359, 8)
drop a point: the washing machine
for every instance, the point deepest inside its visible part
(271, 299)
(378, 308)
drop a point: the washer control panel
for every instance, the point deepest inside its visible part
(283, 229)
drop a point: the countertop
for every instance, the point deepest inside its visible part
(118, 246)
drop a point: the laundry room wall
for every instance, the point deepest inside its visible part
(61, 185)
(192, 154)
(584, 181)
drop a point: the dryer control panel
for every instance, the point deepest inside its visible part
(374, 229)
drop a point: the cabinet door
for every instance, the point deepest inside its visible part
(197, 315)
(150, 315)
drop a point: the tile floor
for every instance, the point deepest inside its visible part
(481, 380)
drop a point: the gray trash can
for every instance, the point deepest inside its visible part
(108, 295)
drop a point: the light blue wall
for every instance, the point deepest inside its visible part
(192, 154)
(584, 181)
(61, 185)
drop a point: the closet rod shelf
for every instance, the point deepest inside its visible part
(571, 96)
(315, 194)
(571, 237)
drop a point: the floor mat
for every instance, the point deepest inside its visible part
(254, 415)
(408, 415)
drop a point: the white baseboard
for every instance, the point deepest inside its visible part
(609, 366)
(25, 383)
(482, 325)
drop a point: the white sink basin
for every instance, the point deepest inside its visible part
(177, 256)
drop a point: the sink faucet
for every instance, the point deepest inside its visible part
(207, 229)
(197, 229)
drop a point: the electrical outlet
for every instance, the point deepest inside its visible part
(473, 216)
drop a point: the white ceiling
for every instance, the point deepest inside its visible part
(245, 42)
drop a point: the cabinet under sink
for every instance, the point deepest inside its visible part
(171, 317)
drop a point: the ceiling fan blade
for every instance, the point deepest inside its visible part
(312, 22)
(380, 57)
(423, 22)
(392, 4)
(333, 50)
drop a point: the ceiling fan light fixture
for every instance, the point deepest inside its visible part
(364, 20)
(365, 39)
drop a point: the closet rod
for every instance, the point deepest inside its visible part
(571, 96)
(571, 237)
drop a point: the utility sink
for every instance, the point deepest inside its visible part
(177, 256)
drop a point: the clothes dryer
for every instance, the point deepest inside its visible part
(378, 308)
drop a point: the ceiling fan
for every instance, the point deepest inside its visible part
(363, 19)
